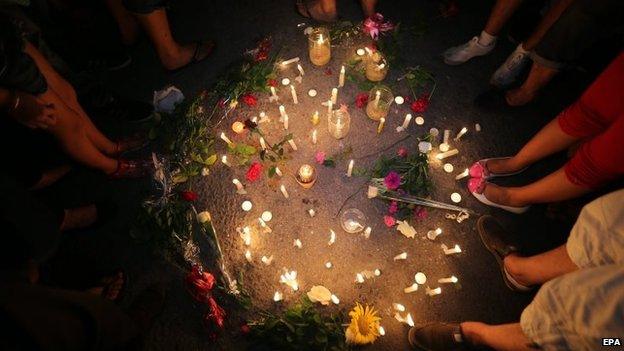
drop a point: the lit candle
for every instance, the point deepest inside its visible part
(226, 139)
(328, 265)
(341, 79)
(334, 95)
(297, 243)
(456, 198)
(359, 278)
(463, 174)
(443, 155)
(461, 133)
(399, 100)
(477, 127)
(224, 160)
(247, 205)
(411, 288)
(278, 171)
(433, 292)
(300, 69)
(290, 279)
(264, 225)
(444, 147)
(360, 52)
(448, 168)
(382, 331)
(266, 216)
(312, 92)
(408, 118)
(330, 107)
(398, 307)
(292, 144)
(277, 296)
(239, 186)
(377, 97)
(420, 278)
(262, 143)
(273, 96)
(335, 299)
(248, 256)
(267, 260)
(283, 190)
(350, 168)
(293, 92)
(452, 280)
(285, 81)
(420, 120)
(433, 234)
(401, 256)
(245, 234)
(285, 121)
(380, 127)
(332, 237)
(282, 111)
(447, 135)
(311, 212)
(409, 320)
(315, 118)
(238, 127)
(367, 232)
(454, 250)
(377, 272)
(314, 136)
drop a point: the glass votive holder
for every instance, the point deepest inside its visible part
(319, 46)
(376, 67)
(379, 100)
(306, 176)
(338, 123)
(352, 220)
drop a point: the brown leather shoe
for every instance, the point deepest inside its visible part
(437, 337)
(129, 169)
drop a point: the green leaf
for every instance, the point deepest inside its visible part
(211, 160)
(272, 171)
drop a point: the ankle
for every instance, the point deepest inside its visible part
(471, 332)
(513, 266)
(486, 39)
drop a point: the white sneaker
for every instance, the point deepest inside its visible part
(509, 71)
(462, 53)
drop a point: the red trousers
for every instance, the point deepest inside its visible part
(598, 118)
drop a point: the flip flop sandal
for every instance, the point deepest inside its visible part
(476, 186)
(479, 169)
(437, 336)
(492, 234)
(195, 58)
(142, 142)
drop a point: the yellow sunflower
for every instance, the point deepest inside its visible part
(364, 326)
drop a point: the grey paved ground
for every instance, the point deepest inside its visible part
(236, 26)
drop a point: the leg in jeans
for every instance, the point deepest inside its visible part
(538, 269)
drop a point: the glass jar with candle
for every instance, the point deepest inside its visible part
(376, 67)
(319, 46)
(338, 123)
(306, 176)
(352, 220)
(379, 100)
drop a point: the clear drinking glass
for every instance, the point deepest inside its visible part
(379, 100)
(319, 46)
(376, 67)
(338, 123)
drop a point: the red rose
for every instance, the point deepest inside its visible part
(402, 152)
(361, 99)
(272, 82)
(249, 99)
(420, 104)
(328, 72)
(254, 172)
(245, 329)
(189, 195)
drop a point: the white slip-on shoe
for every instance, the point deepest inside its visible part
(479, 169)
(512, 209)
(509, 71)
(462, 53)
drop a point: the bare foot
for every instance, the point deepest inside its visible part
(519, 97)
(187, 54)
(51, 176)
(510, 261)
(110, 287)
(502, 166)
(79, 217)
(500, 195)
(317, 10)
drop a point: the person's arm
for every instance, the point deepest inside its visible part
(27, 109)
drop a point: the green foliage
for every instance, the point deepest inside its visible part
(414, 171)
(246, 77)
(419, 80)
(342, 30)
(165, 224)
(301, 327)
(337, 157)
(242, 152)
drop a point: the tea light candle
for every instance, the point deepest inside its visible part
(408, 118)
(267, 260)
(306, 176)
(419, 120)
(311, 212)
(285, 82)
(248, 256)
(420, 278)
(334, 95)
(452, 280)
(297, 243)
(266, 216)
(332, 237)
(238, 127)
(477, 127)
(398, 307)
(293, 92)
(312, 92)
(335, 299)
(401, 256)
(278, 171)
(315, 118)
(341, 79)
(367, 232)
(359, 278)
(443, 155)
(314, 136)
(411, 288)
(226, 139)
(456, 198)
(360, 52)
(444, 147)
(433, 292)
(292, 144)
(283, 190)
(461, 133)
(463, 174)
(377, 272)
(328, 265)
(382, 331)
(453, 250)
(380, 127)
(399, 100)
(300, 69)
(262, 143)
(277, 296)
(285, 121)
(448, 168)
(247, 205)
(350, 168)
(433, 234)
(225, 161)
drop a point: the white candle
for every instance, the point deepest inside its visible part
(263, 224)
(289, 61)
(292, 144)
(282, 111)
(443, 155)
(463, 174)
(377, 97)
(408, 118)
(246, 235)
(411, 288)
(398, 307)
(367, 232)
(277, 296)
(247, 205)
(273, 96)
(380, 127)
(433, 292)
(297, 243)
(448, 168)
(377, 272)
(359, 278)
(330, 107)
(311, 212)
(420, 120)
(300, 69)
(283, 190)
(334, 95)
(278, 171)
(420, 278)
(314, 136)
(399, 100)
(461, 133)
(382, 331)
(248, 256)
(433, 234)
(224, 160)
(456, 198)
(266, 216)
(262, 143)
(293, 92)
(341, 79)
(350, 168)
(332, 237)
(267, 260)
(312, 92)
(285, 81)
(285, 121)
(360, 52)
(226, 139)
(328, 265)
(335, 299)
(290, 279)
(477, 127)
(315, 118)
(447, 135)
(239, 185)
(454, 250)
(452, 280)
(401, 256)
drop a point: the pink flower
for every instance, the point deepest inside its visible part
(420, 213)
(393, 208)
(361, 99)
(389, 221)
(402, 152)
(375, 24)
(319, 157)
(392, 180)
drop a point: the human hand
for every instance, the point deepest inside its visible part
(32, 111)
